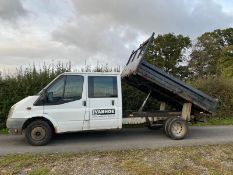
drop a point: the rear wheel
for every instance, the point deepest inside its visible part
(38, 133)
(166, 124)
(177, 129)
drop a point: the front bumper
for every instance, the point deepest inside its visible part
(15, 125)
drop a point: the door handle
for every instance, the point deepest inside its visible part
(84, 103)
(113, 102)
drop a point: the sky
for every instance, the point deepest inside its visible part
(90, 32)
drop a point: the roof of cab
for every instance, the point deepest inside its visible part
(91, 73)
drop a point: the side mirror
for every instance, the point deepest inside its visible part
(44, 96)
(50, 96)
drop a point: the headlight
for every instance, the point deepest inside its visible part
(11, 111)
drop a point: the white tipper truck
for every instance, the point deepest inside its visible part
(84, 101)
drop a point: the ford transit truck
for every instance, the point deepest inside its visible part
(82, 101)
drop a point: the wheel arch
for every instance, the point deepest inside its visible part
(30, 120)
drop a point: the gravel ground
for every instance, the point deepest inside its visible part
(194, 160)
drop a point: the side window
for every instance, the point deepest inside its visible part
(73, 87)
(55, 92)
(102, 86)
(65, 89)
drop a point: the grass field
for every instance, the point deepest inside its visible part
(194, 160)
(217, 121)
(3, 131)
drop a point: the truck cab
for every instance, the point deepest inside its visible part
(71, 102)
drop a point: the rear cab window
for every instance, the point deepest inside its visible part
(102, 86)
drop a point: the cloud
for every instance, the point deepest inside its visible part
(179, 16)
(109, 30)
(11, 9)
(101, 31)
(98, 39)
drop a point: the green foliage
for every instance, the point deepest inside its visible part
(212, 64)
(26, 83)
(207, 51)
(168, 52)
(216, 121)
(100, 68)
(225, 62)
(4, 131)
(220, 88)
(133, 99)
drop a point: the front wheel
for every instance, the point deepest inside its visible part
(38, 133)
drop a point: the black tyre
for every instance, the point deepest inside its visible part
(177, 129)
(166, 124)
(38, 133)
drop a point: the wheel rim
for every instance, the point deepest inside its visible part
(178, 129)
(38, 133)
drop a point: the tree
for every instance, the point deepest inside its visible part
(225, 62)
(168, 52)
(207, 51)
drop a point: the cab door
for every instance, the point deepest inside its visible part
(66, 102)
(103, 103)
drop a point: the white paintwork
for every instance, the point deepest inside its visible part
(69, 116)
(74, 116)
(105, 121)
